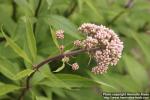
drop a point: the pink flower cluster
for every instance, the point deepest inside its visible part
(60, 34)
(110, 45)
(75, 66)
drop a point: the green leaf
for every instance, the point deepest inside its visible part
(30, 37)
(5, 71)
(49, 2)
(99, 81)
(8, 68)
(7, 88)
(23, 74)
(24, 4)
(113, 82)
(60, 68)
(59, 22)
(54, 37)
(80, 3)
(48, 91)
(16, 48)
(38, 76)
(76, 80)
(120, 82)
(41, 98)
(144, 46)
(89, 3)
(52, 81)
(136, 70)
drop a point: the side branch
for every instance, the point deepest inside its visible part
(72, 53)
(36, 67)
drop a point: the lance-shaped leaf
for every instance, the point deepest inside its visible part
(7, 68)
(23, 74)
(60, 68)
(7, 88)
(30, 37)
(54, 37)
(16, 48)
(76, 80)
(136, 71)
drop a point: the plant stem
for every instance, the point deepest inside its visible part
(129, 4)
(14, 11)
(116, 17)
(36, 67)
(36, 14)
(70, 9)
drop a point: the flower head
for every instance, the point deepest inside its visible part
(77, 43)
(99, 69)
(60, 34)
(89, 42)
(107, 40)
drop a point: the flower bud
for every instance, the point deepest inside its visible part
(75, 66)
(60, 34)
(65, 59)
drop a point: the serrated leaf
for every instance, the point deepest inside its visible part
(16, 48)
(136, 70)
(7, 88)
(60, 68)
(30, 37)
(23, 74)
(54, 37)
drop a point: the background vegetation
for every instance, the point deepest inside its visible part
(27, 40)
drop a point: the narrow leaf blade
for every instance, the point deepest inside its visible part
(30, 37)
(7, 88)
(60, 68)
(136, 71)
(23, 74)
(16, 48)
(54, 37)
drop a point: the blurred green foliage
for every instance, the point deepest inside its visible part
(26, 39)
